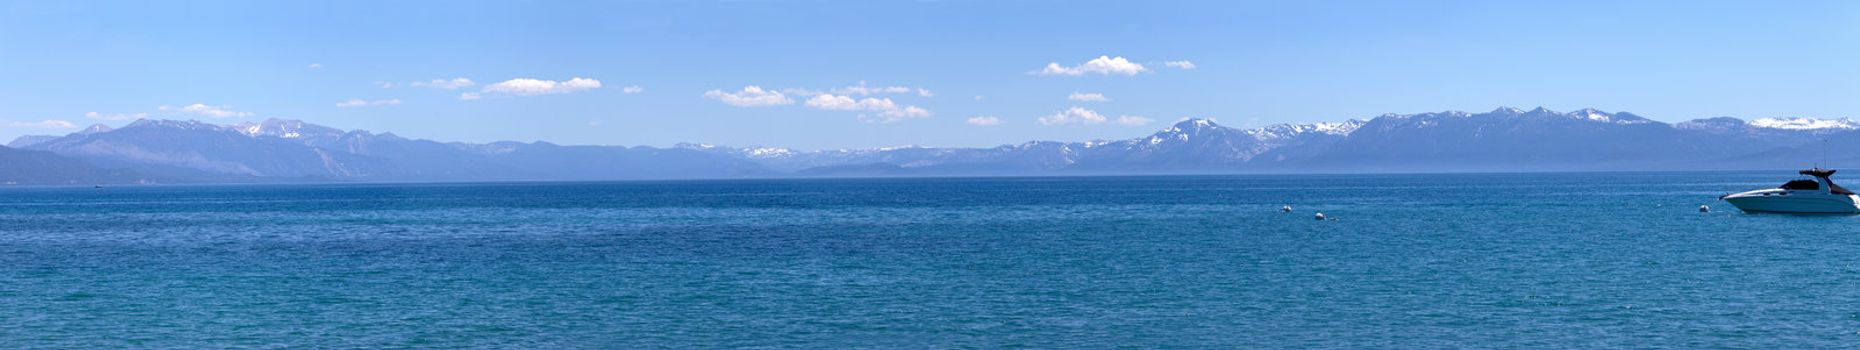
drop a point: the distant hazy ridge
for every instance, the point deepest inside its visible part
(1506, 139)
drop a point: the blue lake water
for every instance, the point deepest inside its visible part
(1477, 260)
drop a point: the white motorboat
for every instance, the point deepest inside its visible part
(1814, 193)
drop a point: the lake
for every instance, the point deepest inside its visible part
(1593, 260)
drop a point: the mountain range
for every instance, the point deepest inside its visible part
(1506, 139)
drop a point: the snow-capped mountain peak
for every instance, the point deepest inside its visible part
(282, 128)
(95, 128)
(174, 124)
(1591, 114)
(1279, 131)
(1805, 123)
(1594, 115)
(767, 152)
(1191, 126)
(1339, 128)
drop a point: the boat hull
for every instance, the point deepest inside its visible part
(1777, 201)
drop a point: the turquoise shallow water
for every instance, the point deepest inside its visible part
(1478, 260)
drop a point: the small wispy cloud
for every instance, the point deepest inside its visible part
(356, 102)
(43, 124)
(444, 84)
(115, 116)
(1133, 120)
(469, 96)
(594, 123)
(314, 66)
(1184, 64)
(632, 89)
(749, 96)
(1103, 65)
(1074, 115)
(984, 121)
(1087, 97)
(205, 110)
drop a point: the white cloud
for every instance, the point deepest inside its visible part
(533, 87)
(979, 97)
(750, 96)
(314, 66)
(850, 98)
(356, 102)
(203, 109)
(1103, 65)
(1087, 97)
(1134, 120)
(384, 84)
(115, 116)
(43, 124)
(864, 90)
(1074, 115)
(443, 84)
(632, 89)
(1185, 65)
(847, 103)
(861, 90)
(802, 92)
(469, 96)
(984, 121)
(594, 123)
(907, 112)
(887, 110)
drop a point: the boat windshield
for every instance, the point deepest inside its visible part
(1807, 184)
(1801, 185)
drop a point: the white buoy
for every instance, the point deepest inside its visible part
(1286, 209)
(1320, 216)
(1704, 208)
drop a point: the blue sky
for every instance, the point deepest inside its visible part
(353, 64)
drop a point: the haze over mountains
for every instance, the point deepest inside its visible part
(1506, 139)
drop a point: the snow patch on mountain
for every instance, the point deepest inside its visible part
(174, 124)
(286, 129)
(1282, 131)
(95, 128)
(768, 152)
(1719, 124)
(1590, 114)
(1805, 123)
